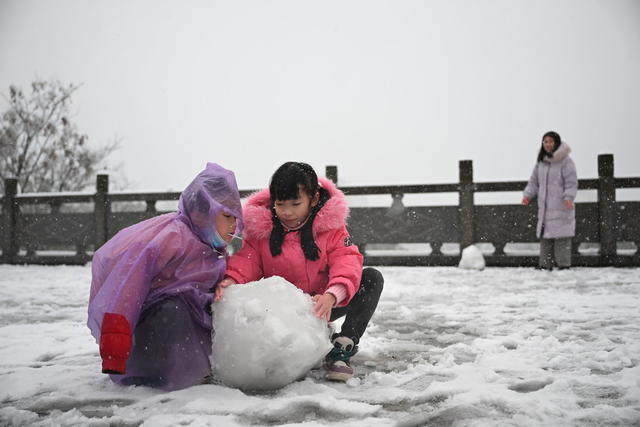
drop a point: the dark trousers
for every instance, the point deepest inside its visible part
(362, 306)
(170, 349)
(558, 250)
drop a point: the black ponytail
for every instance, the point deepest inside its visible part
(277, 234)
(309, 246)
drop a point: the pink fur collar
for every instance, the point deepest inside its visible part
(257, 215)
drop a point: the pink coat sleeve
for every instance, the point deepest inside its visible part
(345, 263)
(245, 265)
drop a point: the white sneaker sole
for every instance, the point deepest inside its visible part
(338, 376)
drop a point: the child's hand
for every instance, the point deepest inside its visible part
(324, 304)
(220, 287)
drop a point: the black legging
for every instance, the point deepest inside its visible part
(362, 306)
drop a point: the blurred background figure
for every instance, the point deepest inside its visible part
(554, 182)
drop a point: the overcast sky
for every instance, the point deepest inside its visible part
(389, 91)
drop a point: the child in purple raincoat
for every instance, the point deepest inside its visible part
(150, 300)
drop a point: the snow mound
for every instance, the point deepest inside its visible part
(472, 258)
(266, 335)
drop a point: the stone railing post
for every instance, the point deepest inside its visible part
(9, 219)
(466, 226)
(607, 209)
(331, 172)
(102, 209)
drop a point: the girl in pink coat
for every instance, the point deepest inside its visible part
(296, 229)
(150, 299)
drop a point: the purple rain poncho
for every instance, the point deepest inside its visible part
(168, 256)
(553, 181)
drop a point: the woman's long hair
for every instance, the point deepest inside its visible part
(556, 144)
(286, 183)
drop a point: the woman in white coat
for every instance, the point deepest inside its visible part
(554, 182)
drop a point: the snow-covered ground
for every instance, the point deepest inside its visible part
(447, 346)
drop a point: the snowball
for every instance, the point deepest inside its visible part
(472, 258)
(266, 335)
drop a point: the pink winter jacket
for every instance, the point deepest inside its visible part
(340, 261)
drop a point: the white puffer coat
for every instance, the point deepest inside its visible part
(553, 181)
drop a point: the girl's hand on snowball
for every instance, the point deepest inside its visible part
(220, 288)
(324, 304)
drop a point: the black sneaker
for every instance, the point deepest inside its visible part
(337, 362)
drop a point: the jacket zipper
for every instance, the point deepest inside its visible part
(546, 195)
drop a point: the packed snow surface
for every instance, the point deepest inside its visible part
(266, 335)
(472, 258)
(446, 347)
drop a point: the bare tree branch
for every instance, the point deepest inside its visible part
(41, 146)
